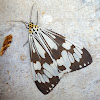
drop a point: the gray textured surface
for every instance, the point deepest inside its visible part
(78, 20)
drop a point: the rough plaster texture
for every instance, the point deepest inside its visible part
(78, 20)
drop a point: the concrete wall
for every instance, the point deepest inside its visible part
(78, 20)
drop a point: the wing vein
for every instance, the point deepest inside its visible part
(43, 39)
(34, 45)
(49, 37)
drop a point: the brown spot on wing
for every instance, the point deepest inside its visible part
(35, 58)
(71, 49)
(61, 68)
(57, 53)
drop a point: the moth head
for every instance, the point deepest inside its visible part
(31, 25)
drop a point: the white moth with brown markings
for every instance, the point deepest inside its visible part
(51, 55)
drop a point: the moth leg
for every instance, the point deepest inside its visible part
(25, 43)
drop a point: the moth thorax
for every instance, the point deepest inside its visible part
(33, 30)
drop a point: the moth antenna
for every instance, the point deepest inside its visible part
(31, 12)
(25, 23)
(37, 18)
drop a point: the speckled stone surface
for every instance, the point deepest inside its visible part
(78, 20)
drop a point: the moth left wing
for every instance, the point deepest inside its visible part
(45, 73)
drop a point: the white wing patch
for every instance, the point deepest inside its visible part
(40, 77)
(49, 69)
(66, 59)
(76, 57)
(54, 65)
(79, 50)
(80, 66)
(40, 49)
(33, 72)
(47, 74)
(50, 42)
(37, 65)
(78, 53)
(60, 61)
(71, 57)
(31, 45)
(45, 78)
(67, 45)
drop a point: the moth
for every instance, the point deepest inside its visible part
(52, 55)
